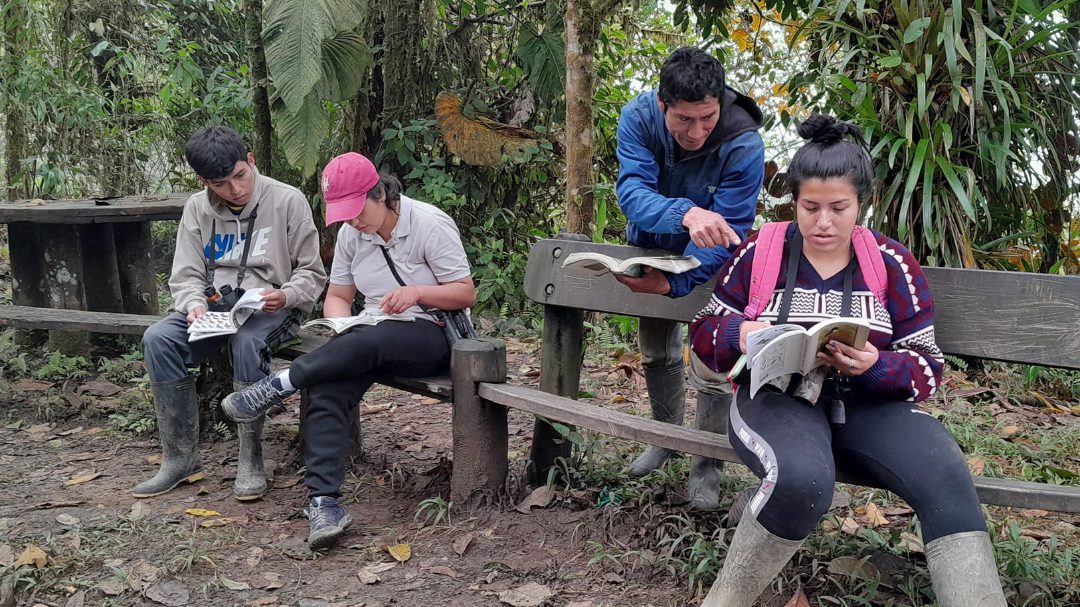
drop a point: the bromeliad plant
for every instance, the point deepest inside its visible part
(971, 109)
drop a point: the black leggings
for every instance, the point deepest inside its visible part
(889, 445)
(337, 375)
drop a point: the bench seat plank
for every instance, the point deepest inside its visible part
(54, 319)
(1001, 492)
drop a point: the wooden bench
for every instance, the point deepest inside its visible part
(1017, 317)
(86, 254)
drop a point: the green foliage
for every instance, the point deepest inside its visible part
(314, 56)
(57, 366)
(13, 361)
(966, 109)
(434, 510)
(542, 53)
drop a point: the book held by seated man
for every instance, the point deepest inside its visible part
(217, 324)
(776, 354)
(342, 324)
(600, 264)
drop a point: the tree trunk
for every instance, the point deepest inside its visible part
(15, 30)
(583, 25)
(262, 128)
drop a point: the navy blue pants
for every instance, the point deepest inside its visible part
(888, 445)
(337, 375)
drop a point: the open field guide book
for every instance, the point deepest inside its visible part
(342, 324)
(598, 263)
(774, 354)
(216, 324)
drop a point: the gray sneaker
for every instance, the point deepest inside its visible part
(328, 521)
(254, 401)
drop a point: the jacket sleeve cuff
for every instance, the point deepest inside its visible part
(290, 296)
(874, 376)
(731, 332)
(676, 212)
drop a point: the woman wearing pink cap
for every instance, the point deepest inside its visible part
(379, 224)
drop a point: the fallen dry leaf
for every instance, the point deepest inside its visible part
(370, 574)
(234, 584)
(1008, 432)
(153, 459)
(849, 526)
(139, 510)
(225, 520)
(799, 600)
(76, 600)
(541, 497)
(852, 567)
(1033, 512)
(49, 505)
(172, 593)
(263, 601)
(73, 540)
(400, 552)
(429, 400)
(7, 555)
(461, 544)
(897, 511)
(100, 388)
(31, 385)
(32, 555)
(67, 519)
(1036, 533)
(873, 514)
(111, 587)
(910, 542)
(82, 478)
(201, 512)
(70, 432)
(268, 580)
(976, 465)
(444, 570)
(529, 595)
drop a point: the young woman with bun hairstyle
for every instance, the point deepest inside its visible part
(865, 426)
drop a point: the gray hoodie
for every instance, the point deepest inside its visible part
(285, 253)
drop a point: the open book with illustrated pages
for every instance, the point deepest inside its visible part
(598, 263)
(342, 324)
(217, 324)
(776, 354)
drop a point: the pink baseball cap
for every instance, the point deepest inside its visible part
(346, 180)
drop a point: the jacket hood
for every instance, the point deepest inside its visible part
(738, 114)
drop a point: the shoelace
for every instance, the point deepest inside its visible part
(321, 515)
(262, 392)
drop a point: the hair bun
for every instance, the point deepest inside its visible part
(820, 128)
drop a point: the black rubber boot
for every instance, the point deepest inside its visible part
(250, 483)
(177, 409)
(667, 398)
(705, 472)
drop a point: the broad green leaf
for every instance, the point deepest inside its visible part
(543, 58)
(915, 29)
(293, 35)
(890, 61)
(346, 58)
(303, 132)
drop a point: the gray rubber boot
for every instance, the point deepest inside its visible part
(704, 487)
(667, 398)
(250, 483)
(753, 559)
(177, 409)
(963, 571)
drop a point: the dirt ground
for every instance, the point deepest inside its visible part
(65, 477)
(64, 487)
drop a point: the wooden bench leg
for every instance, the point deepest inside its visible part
(560, 373)
(480, 431)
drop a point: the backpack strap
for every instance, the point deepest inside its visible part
(871, 263)
(765, 268)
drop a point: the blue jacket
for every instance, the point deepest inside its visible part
(655, 188)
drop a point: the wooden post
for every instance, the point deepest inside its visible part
(63, 282)
(480, 431)
(135, 266)
(103, 294)
(560, 373)
(27, 268)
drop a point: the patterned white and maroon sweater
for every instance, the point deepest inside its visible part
(910, 362)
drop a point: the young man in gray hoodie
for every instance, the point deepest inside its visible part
(244, 231)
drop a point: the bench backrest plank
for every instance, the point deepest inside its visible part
(1010, 316)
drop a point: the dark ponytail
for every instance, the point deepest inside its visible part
(391, 187)
(828, 154)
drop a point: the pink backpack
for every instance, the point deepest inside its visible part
(769, 256)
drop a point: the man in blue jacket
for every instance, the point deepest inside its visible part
(691, 165)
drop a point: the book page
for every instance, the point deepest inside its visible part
(211, 324)
(344, 323)
(672, 264)
(849, 331)
(778, 358)
(248, 303)
(757, 340)
(597, 264)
